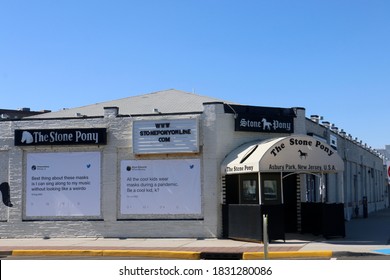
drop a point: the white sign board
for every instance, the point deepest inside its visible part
(63, 184)
(160, 187)
(166, 136)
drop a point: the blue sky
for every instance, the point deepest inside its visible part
(330, 56)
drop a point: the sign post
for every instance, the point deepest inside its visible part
(265, 236)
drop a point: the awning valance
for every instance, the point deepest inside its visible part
(296, 153)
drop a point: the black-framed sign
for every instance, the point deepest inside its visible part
(74, 136)
(263, 123)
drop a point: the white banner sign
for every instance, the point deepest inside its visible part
(165, 136)
(63, 184)
(160, 187)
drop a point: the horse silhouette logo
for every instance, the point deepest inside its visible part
(5, 193)
(266, 124)
(302, 154)
(27, 137)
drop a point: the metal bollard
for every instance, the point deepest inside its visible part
(265, 236)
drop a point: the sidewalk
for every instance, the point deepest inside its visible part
(366, 236)
(370, 235)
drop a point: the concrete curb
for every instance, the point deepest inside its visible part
(111, 253)
(185, 255)
(356, 254)
(57, 253)
(288, 255)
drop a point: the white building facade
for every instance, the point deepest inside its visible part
(155, 166)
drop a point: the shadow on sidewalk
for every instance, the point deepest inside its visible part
(374, 230)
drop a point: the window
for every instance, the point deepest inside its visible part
(249, 189)
(270, 190)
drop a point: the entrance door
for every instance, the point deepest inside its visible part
(290, 202)
(242, 211)
(272, 204)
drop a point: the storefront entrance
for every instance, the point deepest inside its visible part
(264, 179)
(243, 194)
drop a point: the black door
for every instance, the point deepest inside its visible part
(290, 202)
